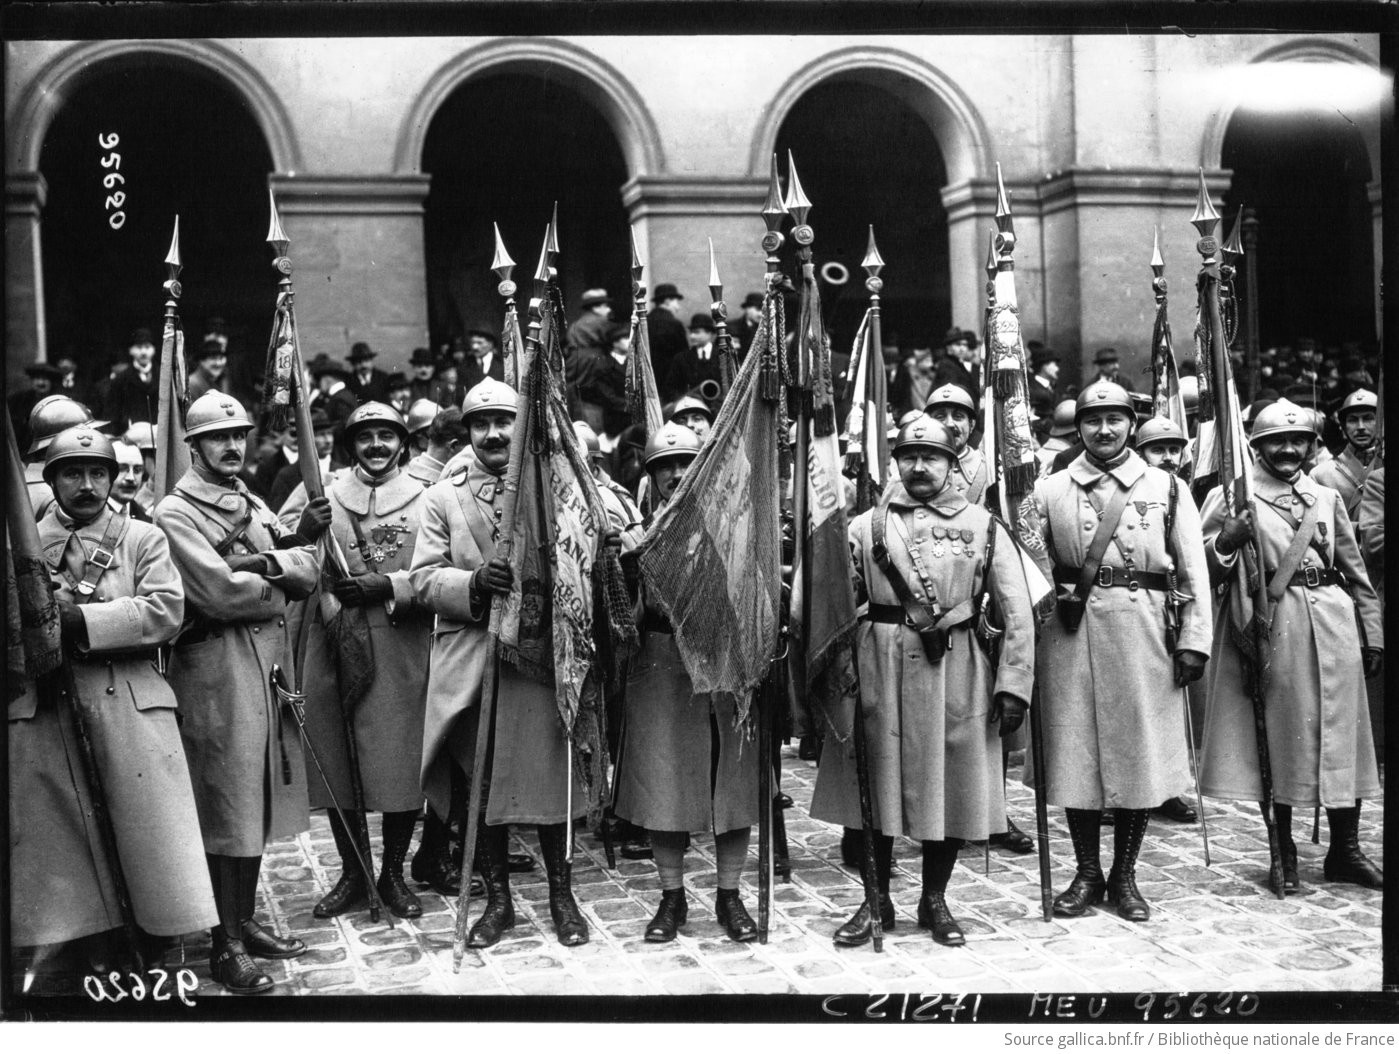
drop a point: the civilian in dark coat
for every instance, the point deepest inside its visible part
(598, 384)
(366, 383)
(134, 393)
(696, 364)
(666, 331)
(484, 361)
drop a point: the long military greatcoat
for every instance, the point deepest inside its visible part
(460, 522)
(1319, 740)
(388, 721)
(1345, 474)
(249, 780)
(62, 887)
(1113, 718)
(935, 759)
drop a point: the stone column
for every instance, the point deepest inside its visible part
(357, 245)
(673, 217)
(25, 339)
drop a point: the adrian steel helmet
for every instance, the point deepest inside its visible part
(421, 415)
(80, 443)
(951, 395)
(374, 413)
(1103, 395)
(1063, 421)
(53, 414)
(1159, 430)
(490, 395)
(1280, 418)
(926, 433)
(215, 412)
(672, 440)
(1358, 400)
(588, 438)
(141, 435)
(691, 404)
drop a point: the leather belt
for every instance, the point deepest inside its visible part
(895, 615)
(1314, 577)
(1107, 577)
(105, 658)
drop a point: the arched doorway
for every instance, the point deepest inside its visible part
(1305, 175)
(188, 145)
(502, 149)
(866, 156)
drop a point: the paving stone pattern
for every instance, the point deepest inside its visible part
(1212, 928)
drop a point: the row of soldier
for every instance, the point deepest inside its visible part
(222, 575)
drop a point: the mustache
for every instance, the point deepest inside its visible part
(377, 451)
(231, 457)
(495, 444)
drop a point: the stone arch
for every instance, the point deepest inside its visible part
(961, 133)
(1308, 50)
(592, 78)
(47, 93)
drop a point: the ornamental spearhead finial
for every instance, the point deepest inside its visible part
(773, 208)
(1232, 244)
(172, 258)
(553, 235)
(873, 263)
(637, 267)
(992, 257)
(502, 265)
(796, 203)
(541, 270)
(275, 235)
(1205, 219)
(1158, 265)
(1005, 224)
(716, 285)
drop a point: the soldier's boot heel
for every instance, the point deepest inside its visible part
(1088, 885)
(492, 853)
(1344, 860)
(231, 966)
(259, 940)
(1084, 891)
(669, 917)
(393, 891)
(1129, 829)
(859, 928)
(569, 925)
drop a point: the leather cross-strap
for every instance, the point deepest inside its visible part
(1281, 578)
(97, 563)
(1071, 609)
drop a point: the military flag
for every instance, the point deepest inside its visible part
(866, 435)
(643, 397)
(33, 643)
(1166, 399)
(512, 342)
(171, 453)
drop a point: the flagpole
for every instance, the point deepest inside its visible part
(504, 267)
(719, 312)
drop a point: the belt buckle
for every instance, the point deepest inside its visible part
(1132, 585)
(101, 558)
(1311, 574)
(1105, 576)
(908, 621)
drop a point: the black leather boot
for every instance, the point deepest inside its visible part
(734, 917)
(857, 929)
(351, 891)
(1344, 860)
(852, 847)
(939, 858)
(492, 852)
(569, 926)
(1282, 816)
(1088, 886)
(1122, 880)
(393, 891)
(1013, 839)
(432, 863)
(229, 962)
(257, 938)
(781, 854)
(669, 917)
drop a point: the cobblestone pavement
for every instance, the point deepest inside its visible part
(1211, 927)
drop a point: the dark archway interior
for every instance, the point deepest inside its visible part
(1305, 176)
(502, 150)
(190, 146)
(866, 157)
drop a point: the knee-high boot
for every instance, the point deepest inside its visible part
(1128, 830)
(1344, 860)
(939, 858)
(432, 863)
(260, 941)
(397, 897)
(1088, 885)
(351, 891)
(492, 855)
(1287, 848)
(229, 962)
(569, 926)
(858, 928)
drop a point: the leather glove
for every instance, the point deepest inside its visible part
(361, 590)
(631, 572)
(612, 539)
(315, 518)
(1236, 530)
(789, 538)
(1372, 661)
(1190, 666)
(70, 621)
(257, 563)
(494, 577)
(1008, 710)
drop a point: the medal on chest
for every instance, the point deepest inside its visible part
(385, 541)
(939, 534)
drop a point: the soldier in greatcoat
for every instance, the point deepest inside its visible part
(119, 598)
(1319, 740)
(455, 573)
(936, 699)
(682, 764)
(50, 416)
(1346, 472)
(239, 570)
(375, 510)
(1133, 630)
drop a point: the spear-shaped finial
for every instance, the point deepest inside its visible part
(275, 235)
(873, 263)
(716, 285)
(503, 266)
(1232, 244)
(1205, 219)
(638, 270)
(1158, 265)
(796, 203)
(552, 239)
(173, 266)
(773, 208)
(992, 257)
(541, 270)
(1005, 223)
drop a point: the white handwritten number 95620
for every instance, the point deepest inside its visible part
(114, 177)
(111, 990)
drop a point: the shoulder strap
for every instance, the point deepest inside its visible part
(98, 562)
(366, 554)
(1287, 566)
(1107, 526)
(923, 617)
(224, 544)
(1171, 512)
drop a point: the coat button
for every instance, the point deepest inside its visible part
(257, 629)
(111, 690)
(281, 622)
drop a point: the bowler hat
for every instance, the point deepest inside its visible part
(753, 300)
(1104, 355)
(139, 336)
(44, 369)
(666, 291)
(593, 297)
(397, 379)
(487, 334)
(421, 357)
(954, 335)
(211, 347)
(323, 364)
(1042, 356)
(361, 351)
(701, 321)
